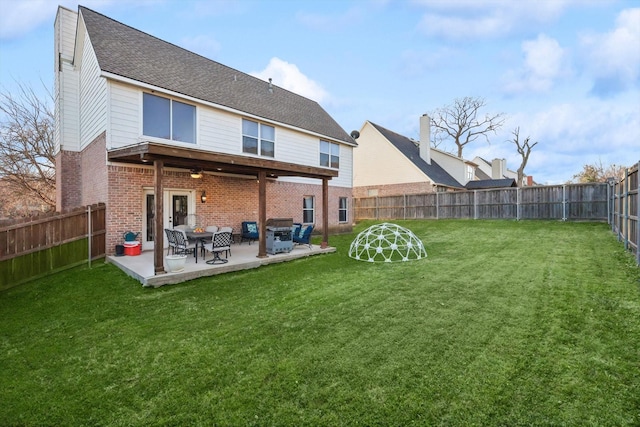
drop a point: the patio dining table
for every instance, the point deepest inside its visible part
(199, 238)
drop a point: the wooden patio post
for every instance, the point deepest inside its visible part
(325, 213)
(262, 214)
(158, 231)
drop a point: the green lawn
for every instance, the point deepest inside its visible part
(505, 323)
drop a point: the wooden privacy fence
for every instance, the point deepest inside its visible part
(36, 246)
(616, 202)
(624, 205)
(565, 202)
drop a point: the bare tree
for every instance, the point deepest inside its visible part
(597, 172)
(462, 122)
(27, 160)
(524, 149)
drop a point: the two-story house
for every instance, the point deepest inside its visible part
(159, 134)
(386, 163)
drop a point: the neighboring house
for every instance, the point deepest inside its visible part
(137, 117)
(387, 163)
(497, 169)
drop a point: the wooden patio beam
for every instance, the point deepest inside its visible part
(158, 231)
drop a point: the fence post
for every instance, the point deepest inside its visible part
(619, 209)
(437, 205)
(626, 208)
(638, 213)
(89, 231)
(377, 210)
(518, 202)
(564, 202)
(475, 204)
(404, 206)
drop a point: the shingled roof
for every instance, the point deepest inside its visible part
(407, 147)
(484, 184)
(133, 54)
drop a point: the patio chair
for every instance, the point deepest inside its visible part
(211, 228)
(302, 234)
(183, 245)
(172, 241)
(249, 231)
(220, 242)
(228, 230)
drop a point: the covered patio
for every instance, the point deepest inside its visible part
(243, 257)
(162, 156)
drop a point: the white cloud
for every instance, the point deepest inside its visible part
(569, 136)
(330, 22)
(289, 76)
(613, 58)
(544, 62)
(471, 19)
(416, 62)
(20, 17)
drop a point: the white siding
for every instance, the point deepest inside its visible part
(455, 166)
(220, 131)
(93, 97)
(66, 130)
(69, 111)
(65, 33)
(125, 112)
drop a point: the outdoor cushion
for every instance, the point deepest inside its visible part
(252, 227)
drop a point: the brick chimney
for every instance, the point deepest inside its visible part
(529, 180)
(425, 138)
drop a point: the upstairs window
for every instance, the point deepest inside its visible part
(470, 173)
(168, 119)
(329, 154)
(258, 138)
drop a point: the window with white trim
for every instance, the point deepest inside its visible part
(342, 209)
(470, 173)
(258, 138)
(168, 119)
(308, 209)
(329, 154)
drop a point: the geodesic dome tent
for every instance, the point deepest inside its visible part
(387, 242)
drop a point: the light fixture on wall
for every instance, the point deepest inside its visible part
(203, 197)
(196, 173)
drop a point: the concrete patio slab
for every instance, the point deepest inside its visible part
(243, 257)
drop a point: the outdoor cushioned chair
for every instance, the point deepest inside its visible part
(302, 234)
(183, 245)
(220, 242)
(249, 231)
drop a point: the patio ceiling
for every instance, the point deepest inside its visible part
(190, 158)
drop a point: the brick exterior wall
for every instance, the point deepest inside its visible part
(94, 171)
(68, 180)
(85, 178)
(393, 189)
(230, 200)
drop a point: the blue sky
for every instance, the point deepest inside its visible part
(567, 72)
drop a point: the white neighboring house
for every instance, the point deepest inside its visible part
(497, 169)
